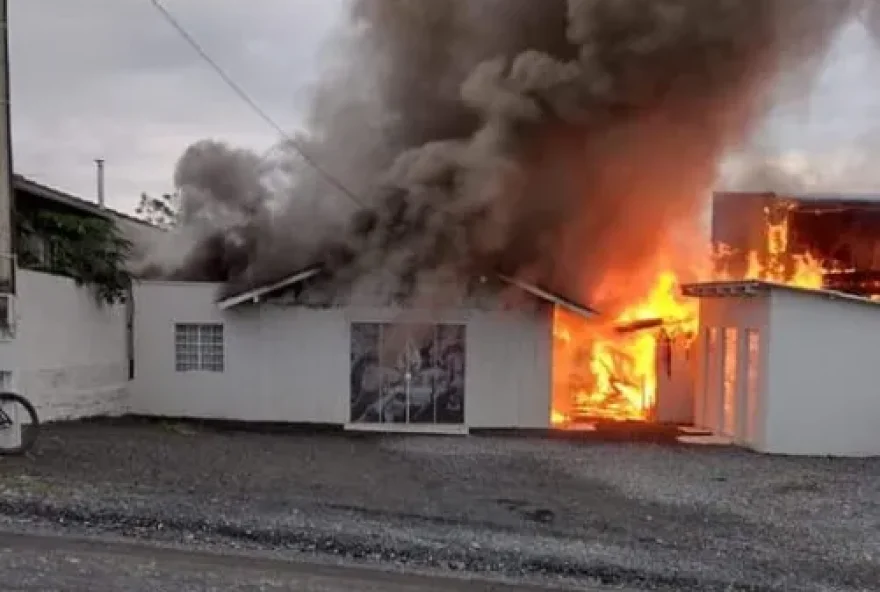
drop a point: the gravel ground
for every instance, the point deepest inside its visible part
(66, 564)
(645, 516)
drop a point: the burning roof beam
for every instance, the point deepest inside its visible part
(640, 325)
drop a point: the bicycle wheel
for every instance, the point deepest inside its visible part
(19, 424)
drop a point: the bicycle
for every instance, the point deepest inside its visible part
(10, 421)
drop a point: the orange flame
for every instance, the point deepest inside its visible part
(602, 373)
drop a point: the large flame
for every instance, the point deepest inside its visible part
(608, 370)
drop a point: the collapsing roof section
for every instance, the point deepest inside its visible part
(257, 294)
(749, 288)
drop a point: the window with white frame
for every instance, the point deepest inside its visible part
(198, 347)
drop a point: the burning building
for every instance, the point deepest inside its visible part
(784, 360)
(267, 354)
(646, 365)
(823, 241)
(543, 142)
(724, 352)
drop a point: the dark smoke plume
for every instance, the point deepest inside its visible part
(571, 143)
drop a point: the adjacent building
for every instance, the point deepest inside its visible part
(60, 344)
(786, 370)
(32, 199)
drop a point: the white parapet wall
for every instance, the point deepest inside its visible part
(69, 354)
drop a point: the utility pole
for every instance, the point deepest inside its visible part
(7, 202)
(8, 354)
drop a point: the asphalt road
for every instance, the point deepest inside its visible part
(47, 563)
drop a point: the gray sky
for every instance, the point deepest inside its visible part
(110, 79)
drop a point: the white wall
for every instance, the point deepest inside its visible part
(817, 373)
(676, 376)
(69, 354)
(824, 385)
(291, 364)
(508, 373)
(157, 388)
(741, 313)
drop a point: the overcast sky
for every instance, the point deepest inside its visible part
(110, 79)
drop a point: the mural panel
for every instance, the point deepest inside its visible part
(407, 373)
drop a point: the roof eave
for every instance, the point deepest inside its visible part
(255, 294)
(755, 287)
(550, 297)
(24, 184)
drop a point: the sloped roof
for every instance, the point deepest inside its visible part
(255, 294)
(25, 185)
(541, 294)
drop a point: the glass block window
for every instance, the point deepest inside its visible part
(198, 347)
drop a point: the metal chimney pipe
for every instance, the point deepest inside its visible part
(100, 163)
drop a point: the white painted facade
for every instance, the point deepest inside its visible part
(291, 364)
(68, 354)
(789, 371)
(800, 365)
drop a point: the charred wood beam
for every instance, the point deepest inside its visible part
(640, 325)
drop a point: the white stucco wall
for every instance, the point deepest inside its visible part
(817, 373)
(741, 313)
(824, 383)
(156, 387)
(69, 354)
(292, 364)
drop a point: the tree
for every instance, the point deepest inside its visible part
(90, 250)
(161, 211)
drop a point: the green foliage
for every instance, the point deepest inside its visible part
(89, 250)
(159, 211)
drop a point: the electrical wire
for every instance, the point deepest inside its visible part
(255, 107)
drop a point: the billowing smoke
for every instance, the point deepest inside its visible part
(829, 167)
(571, 143)
(851, 172)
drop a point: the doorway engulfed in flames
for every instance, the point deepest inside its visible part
(612, 369)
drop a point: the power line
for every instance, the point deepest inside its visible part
(244, 96)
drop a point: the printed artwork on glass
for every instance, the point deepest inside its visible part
(407, 373)
(365, 372)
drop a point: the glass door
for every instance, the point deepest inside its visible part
(407, 373)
